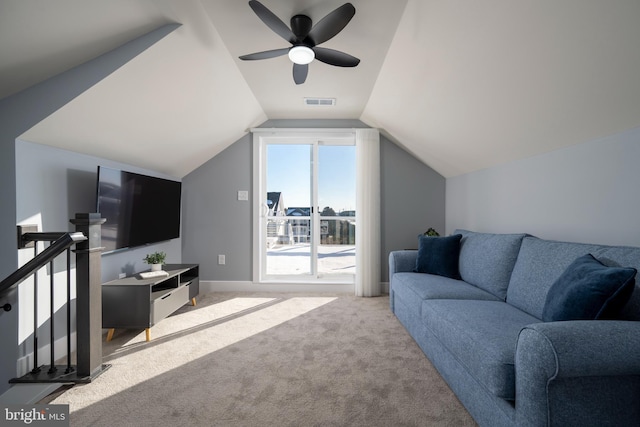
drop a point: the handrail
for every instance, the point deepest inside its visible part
(42, 236)
(62, 243)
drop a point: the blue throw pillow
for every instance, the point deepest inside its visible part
(439, 255)
(589, 290)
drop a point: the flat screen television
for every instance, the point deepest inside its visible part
(139, 209)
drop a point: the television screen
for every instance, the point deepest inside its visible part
(138, 209)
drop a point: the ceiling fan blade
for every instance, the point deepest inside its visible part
(335, 57)
(300, 73)
(265, 55)
(272, 21)
(332, 24)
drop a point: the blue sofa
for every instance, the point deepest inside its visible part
(484, 333)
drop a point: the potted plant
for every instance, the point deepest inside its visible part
(431, 232)
(156, 260)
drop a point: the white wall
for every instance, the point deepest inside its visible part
(584, 193)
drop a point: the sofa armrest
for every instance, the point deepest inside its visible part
(402, 261)
(578, 373)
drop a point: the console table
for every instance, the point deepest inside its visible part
(137, 303)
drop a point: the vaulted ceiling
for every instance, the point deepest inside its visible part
(463, 85)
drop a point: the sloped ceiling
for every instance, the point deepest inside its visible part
(463, 85)
(491, 81)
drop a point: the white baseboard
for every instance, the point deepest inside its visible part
(207, 286)
(24, 364)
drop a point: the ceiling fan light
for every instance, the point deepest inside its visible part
(301, 55)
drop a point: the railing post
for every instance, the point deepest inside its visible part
(89, 295)
(36, 368)
(69, 367)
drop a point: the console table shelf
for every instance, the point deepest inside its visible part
(138, 303)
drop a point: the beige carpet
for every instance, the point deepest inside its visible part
(268, 360)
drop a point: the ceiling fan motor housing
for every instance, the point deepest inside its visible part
(300, 26)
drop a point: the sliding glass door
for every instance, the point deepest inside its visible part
(307, 220)
(337, 213)
(289, 198)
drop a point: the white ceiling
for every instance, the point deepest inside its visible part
(463, 85)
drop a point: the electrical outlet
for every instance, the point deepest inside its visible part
(221, 259)
(243, 195)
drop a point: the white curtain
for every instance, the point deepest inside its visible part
(367, 212)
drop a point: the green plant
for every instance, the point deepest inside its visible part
(431, 232)
(155, 258)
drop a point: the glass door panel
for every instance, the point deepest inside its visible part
(288, 222)
(337, 202)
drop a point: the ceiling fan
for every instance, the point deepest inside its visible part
(305, 38)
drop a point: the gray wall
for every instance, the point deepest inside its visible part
(584, 193)
(55, 184)
(215, 222)
(313, 123)
(412, 199)
(18, 113)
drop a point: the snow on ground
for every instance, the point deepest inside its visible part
(295, 259)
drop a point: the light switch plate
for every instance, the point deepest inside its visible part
(243, 195)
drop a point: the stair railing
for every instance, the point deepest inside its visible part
(88, 298)
(59, 243)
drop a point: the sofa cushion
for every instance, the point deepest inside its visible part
(588, 290)
(482, 336)
(487, 260)
(439, 255)
(541, 262)
(413, 288)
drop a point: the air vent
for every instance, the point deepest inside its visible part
(320, 102)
